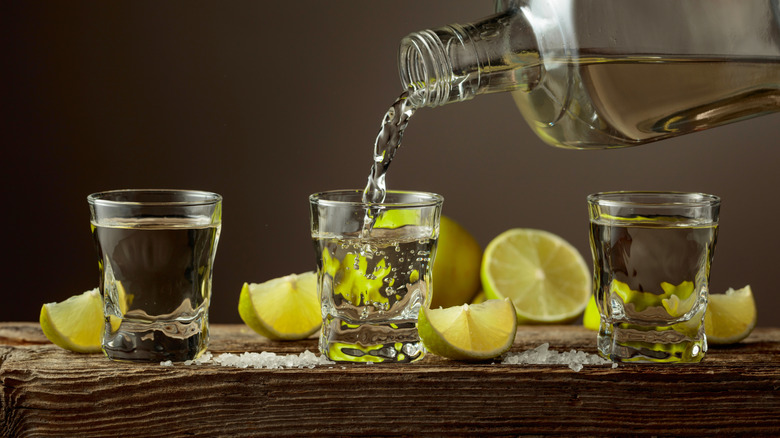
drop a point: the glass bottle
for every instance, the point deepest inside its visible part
(607, 73)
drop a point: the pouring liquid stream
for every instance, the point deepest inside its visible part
(385, 146)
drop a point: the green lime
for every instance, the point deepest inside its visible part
(456, 267)
(591, 319)
(469, 332)
(730, 317)
(545, 277)
(75, 324)
(285, 308)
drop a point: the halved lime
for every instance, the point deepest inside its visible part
(285, 308)
(75, 324)
(545, 277)
(469, 332)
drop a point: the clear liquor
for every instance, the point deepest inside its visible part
(604, 102)
(156, 283)
(651, 287)
(372, 288)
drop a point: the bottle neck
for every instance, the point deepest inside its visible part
(457, 62)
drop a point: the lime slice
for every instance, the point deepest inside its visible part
(591, 320)
(285, 308)
(730, 317)
(75, 324)
(469, 332)
(545, 277)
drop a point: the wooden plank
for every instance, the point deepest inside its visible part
(47, 391)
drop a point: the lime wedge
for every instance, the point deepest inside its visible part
(730, 317)
(75, 324)
(545, 277)
(469, 332)
(285, 308)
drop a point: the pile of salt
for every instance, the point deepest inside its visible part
(542, 355)
(307, 359)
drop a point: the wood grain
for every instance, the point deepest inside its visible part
(47, 391)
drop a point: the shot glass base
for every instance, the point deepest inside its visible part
(154, 344)
(650, 345)
(396, 341)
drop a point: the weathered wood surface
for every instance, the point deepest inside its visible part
(47, 391)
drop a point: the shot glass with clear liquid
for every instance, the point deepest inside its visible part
(156, 253)
(374, 271)
(652, 253)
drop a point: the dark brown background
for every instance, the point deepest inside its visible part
(267, 102)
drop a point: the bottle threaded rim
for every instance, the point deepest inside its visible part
(425, 68)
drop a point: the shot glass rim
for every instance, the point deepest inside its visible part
(320, 198)
(209, 198)
(653, 198)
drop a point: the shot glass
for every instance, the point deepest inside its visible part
(652, 253)
(156, 253)
(374, 270)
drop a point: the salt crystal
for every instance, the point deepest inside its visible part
(265, 359)
(204, 358)
(542, 355)
(166, 363)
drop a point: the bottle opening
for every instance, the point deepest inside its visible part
(425, 69)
